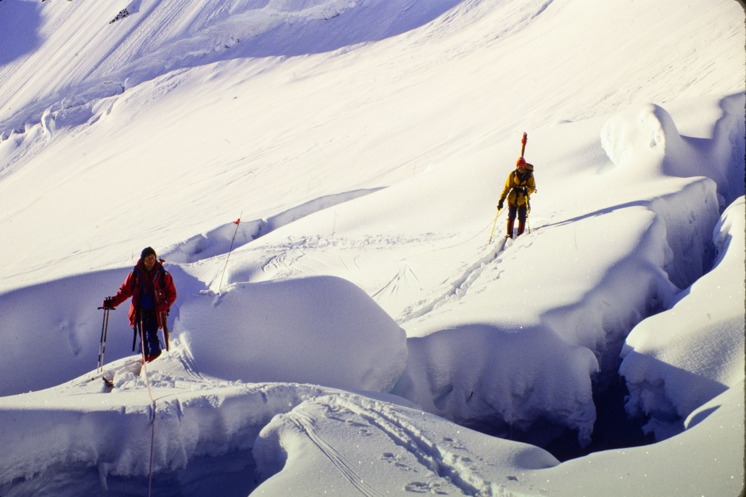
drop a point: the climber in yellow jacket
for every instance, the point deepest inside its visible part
(518, 187)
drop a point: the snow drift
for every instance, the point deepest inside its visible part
(92, 442)
(319, 330)
(644, 140)
(503, 381)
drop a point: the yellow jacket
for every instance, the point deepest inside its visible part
(519, 186)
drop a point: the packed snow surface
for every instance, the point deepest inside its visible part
(321, 178)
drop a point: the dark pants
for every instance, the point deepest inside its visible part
(514, 210)
(151, 345)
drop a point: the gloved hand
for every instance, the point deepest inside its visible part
(108, 303)
(500, 204)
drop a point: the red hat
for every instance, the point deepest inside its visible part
(520, 161)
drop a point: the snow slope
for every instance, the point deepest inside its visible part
(362, 323)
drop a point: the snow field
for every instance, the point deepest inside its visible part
(365, 144)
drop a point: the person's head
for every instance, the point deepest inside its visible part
(148, 257)
(521, 165)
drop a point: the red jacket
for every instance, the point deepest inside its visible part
(158, 279)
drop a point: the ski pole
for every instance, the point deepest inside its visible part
(493, 225)
(142, 338)
(102, 343)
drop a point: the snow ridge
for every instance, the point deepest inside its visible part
(218, 241)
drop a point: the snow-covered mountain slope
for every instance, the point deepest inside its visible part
(361, 313)
(363, 116)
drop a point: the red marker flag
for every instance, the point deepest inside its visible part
(236, 222)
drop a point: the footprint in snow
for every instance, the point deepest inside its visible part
(395, 460)
(424, 488)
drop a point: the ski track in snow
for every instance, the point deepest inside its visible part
(318, 254)
(447, 467)
(400, 279)
(283, 257)
(429, 454)
(454, 287)
(307, 425)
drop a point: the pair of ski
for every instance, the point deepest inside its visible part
(133, 366)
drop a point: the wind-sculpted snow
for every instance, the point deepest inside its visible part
(65, 314)
(85, 431)
(235, 335)
(681, 465)
(318, 330)
(502, 372)
(402, 449)
(644, 140)
(210, 435)
(503, 380)
(84, 438)
(159, 128)
(159, 37)
(670, 369)
(220, 240)
(671, 253)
